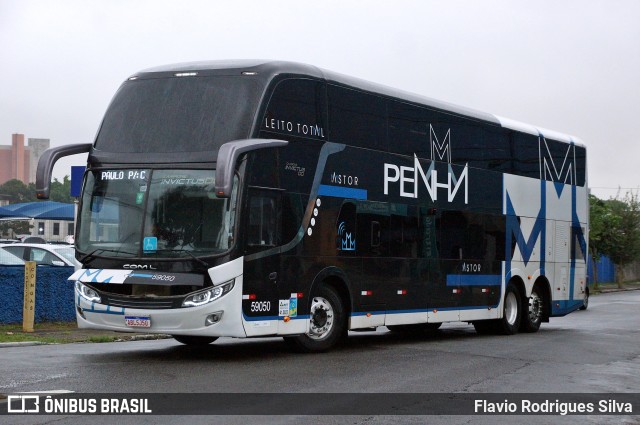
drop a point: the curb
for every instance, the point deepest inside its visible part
(21, 344)
(143, 337)
(608, 291)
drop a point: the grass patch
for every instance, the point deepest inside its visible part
(54, 333)
(64, 333)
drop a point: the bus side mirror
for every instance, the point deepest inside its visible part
(229, 154)
(48, 160)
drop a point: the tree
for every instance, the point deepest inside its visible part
(18, 191)
(627, 248)
(61, 192)
(604, 234)
(11, 228)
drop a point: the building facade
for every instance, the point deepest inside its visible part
(20, 162)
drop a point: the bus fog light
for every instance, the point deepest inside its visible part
(213, 318)
(208, 295)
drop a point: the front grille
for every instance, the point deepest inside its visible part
(149, 303)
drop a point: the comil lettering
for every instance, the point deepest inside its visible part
(412, 176)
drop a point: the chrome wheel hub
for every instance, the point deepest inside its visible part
(535, 307)
(321, 318)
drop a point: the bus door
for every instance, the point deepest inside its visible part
(263, 234)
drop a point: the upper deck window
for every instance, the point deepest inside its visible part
(187, 114)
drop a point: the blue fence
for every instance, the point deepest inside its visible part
(54, 294)
(606, 270)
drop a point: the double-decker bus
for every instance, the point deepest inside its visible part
(252, 199)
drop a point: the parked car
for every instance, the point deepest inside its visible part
(44, 254)
(8, 259)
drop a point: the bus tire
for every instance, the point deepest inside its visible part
(533, 309)
(585, 303)
(511, 312)
(327, 325)
(194, 340)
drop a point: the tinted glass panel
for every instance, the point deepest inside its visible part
(297, 107)
(560, 162)
(188, 114)
(409, 130)
(581, 165)
(526, 155)
(357, 118)
(264, 218)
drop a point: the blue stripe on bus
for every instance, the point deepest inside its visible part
(259, 318)
(424, 310)
(342, 192)
(564, 307)
(474, 280)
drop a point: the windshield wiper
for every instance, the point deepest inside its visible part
(190, 254)
(93, 254)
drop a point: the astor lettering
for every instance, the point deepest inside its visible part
(344, 179)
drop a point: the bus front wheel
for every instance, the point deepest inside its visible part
(327, 323)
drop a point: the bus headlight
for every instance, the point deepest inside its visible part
(87, 293)
(208, 295)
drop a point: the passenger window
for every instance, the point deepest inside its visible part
(297, 108)
(264, 227)
(357, 118)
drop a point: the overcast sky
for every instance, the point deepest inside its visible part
(570, 66)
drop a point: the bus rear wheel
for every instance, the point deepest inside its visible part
(327, 323)
(511, 315)
(585, 304)
(533, 309)
(511, 312)
(194, 340)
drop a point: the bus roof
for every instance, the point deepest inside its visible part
(266, 70)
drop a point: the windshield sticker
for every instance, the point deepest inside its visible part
(139, 198)
(150, 244)
(143, 188)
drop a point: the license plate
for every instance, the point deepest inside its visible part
(138, 321)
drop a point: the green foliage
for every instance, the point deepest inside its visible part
(19, 192)
(627, 248)
(60, 191)
(615, 230)
(604, 234)
(11, 228)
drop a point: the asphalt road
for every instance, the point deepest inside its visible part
(597, 350)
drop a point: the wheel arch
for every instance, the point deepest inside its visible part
(518, 283)
(545, 288)
(338, 280)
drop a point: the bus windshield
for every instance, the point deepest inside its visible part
(191, 114)
(151, 214)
